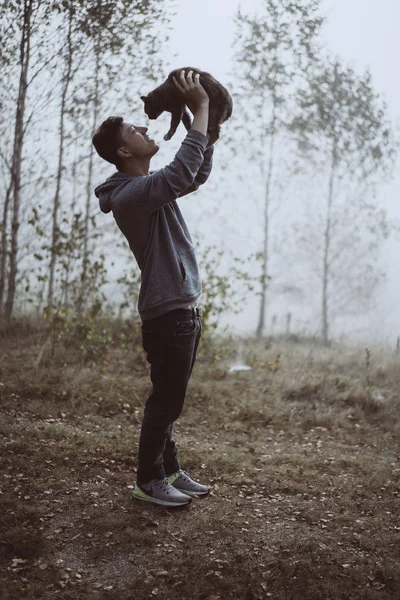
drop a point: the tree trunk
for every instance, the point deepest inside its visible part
(3, 260)
(265, 256)
(17, 154)
(326, 259)
(65, 298)
(56, 201)
(89, 191)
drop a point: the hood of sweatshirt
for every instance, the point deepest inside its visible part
(106, 191)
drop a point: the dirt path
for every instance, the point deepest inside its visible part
(303, 465)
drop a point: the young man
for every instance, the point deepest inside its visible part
(144, 206)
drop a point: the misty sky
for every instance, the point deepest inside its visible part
(362, 32)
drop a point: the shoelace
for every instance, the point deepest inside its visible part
(163, 485)
(185, 475)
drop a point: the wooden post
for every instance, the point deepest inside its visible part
(288, 321)
(273, 323)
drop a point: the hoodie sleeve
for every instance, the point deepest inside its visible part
(165, 185)
(203, 173)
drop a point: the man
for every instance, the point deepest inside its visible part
(144, 206)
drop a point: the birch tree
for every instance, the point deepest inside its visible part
(13, 191)
(131, 28)
(341, 125)
(66, 80)
(22, 19)
(271, 48)
(92, 45)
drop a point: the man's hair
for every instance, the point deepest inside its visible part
(108, 138)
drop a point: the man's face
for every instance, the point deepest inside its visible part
(137, 143)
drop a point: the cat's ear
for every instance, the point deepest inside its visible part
(144, 98)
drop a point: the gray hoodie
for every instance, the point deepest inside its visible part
(146, 211)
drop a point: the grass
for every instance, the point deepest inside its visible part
(302, 453)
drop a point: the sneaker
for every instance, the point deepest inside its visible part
(182, 482)
(159, 491)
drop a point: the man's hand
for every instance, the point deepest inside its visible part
(194, 94)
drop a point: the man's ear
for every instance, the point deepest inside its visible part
(122, 152)
(144, 98)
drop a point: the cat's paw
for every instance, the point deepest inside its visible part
(212, 139)
(167, 137)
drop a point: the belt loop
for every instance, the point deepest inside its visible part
(195, 311)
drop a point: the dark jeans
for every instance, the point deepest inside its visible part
(170, 342)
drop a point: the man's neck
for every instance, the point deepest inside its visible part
(136, 168)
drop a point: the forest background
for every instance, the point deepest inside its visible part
(298, 237)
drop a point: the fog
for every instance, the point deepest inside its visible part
(227, 211)
(363, 33)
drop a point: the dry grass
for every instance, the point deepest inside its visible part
(302, 454)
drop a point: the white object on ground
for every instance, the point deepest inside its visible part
(239, 368)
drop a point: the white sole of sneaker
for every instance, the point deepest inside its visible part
(139, 495)
(193, 494)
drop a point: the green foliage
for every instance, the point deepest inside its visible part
(90, 338)
(80, 332)
(222, 292)
(96, 332)
(92, 47)
(129, 284)
(341, 123)
(273, 49)
(341, 109)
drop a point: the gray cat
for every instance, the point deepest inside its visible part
(166, 97)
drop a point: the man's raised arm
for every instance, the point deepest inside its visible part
(183, 174)
(203, 173)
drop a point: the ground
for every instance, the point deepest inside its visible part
(302, 454)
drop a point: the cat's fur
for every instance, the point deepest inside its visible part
(166, 97)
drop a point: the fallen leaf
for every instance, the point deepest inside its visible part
(18, 561)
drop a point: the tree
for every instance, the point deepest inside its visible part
(14, 187)
(93, 45)
(271, 50)
(66, 80)
(342, 123)
(22, 17)
(110, 31)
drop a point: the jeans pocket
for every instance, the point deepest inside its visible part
(185, 328)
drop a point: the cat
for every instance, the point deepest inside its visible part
(166, 97)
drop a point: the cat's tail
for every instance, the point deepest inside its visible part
(228, 112)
